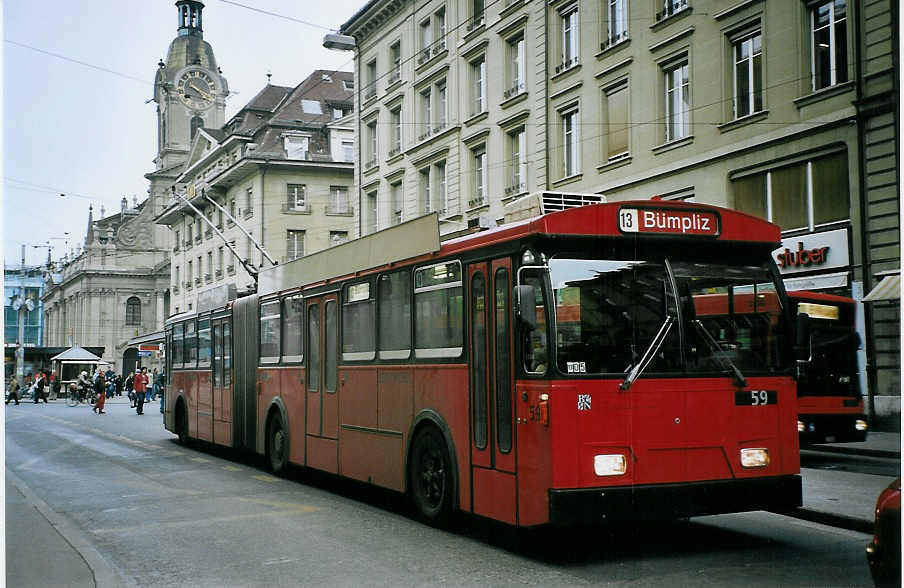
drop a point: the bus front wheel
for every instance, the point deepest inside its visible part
(430, 476)
(277, 445)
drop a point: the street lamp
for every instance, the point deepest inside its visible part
(339, 42)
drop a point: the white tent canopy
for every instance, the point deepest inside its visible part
(77, 355)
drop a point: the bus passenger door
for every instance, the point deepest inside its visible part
(494, 492)
(322, 420)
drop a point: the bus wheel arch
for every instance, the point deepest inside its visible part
(277, 436)
(181, 420)
(431, 468)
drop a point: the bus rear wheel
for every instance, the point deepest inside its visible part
(181, 424)
(430, 477)
(278, 445)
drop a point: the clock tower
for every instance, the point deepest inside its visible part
(189, 91)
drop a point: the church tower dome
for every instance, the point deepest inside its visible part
(189, 46)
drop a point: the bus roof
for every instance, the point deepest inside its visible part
(645, 219)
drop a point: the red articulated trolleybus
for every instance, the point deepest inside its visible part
(554, 369)
(830, 403)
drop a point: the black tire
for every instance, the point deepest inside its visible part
(182, 425)
(277, 445)
(430, 477)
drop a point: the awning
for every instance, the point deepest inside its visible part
(889, 288)
(76, 355)
(155, 337)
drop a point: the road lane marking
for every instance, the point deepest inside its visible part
(193, 523)
(230, 468)
(282, 560)
(200, 460)
(266, 478)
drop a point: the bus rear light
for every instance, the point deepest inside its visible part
(544, 397)
(860, 425)
(609, 465)
(543, 409)
(801, 427)
(755, 457)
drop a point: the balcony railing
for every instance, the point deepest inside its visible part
(198, 281)
(175, 289)
(476, 21)
(567, 64)
(208, 278)
(425, 135)
(477, 202)
(338, 209)
(370, 164)
(188, 285)
(515, 188)
(208, 234)
(218, 274)
(230, 270)
(671, 8)
(187, 244)
(370, 91)
(514, 90)
(296, 207)
(395, 76)
(394, 151)
(424, 56)
(198, 237)
(614, 40)
(248, 212)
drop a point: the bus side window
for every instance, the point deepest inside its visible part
(534, 348)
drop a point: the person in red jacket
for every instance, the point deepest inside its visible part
(141, 385)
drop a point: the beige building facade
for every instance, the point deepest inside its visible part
(782, 109)
(277, 175)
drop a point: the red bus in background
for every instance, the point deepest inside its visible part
(549, 370)
(830, 403)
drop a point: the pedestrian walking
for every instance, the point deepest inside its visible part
(140, 385)
(12, 391)
(151, 390)
(55, 385)
(130, 388)
(119, 384)
(101, 390)
(39, 385)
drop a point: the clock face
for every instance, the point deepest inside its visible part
(195, 89)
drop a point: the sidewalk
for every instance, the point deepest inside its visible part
(846, 499)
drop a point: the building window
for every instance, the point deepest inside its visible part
(803, 195)
(348, 151)
(616, 122)
(570, 38)
(671, 8)
(479, 177)
(395, 203)
(296, 147)
(371, 209)
(178, 275)
(221, 256)
(395, 116)
(133, 311)
(616, 22)
(439, 188)
(371, 155)
(294, 244)
(677, 101)
(338, 237)
(517, 68)
(395, 58)
(479, 85)
(312, 107)
(231, 210)
(571, 142)
(190, 275)
(517, 156)
(370, 89)
(828, 44)
(249, 201)
(426, 113)
(338, 200)
(295, 195)
(425, 187)
(477, 11)
(748, 75)
(348, 85)
(439, 30)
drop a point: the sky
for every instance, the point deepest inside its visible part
(77, 77)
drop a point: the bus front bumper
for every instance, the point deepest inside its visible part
(673, 501)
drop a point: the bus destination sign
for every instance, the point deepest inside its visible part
(668, 221)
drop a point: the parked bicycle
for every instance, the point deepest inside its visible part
(78, 394)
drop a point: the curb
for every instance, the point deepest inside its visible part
(829, 519)
(886, 453)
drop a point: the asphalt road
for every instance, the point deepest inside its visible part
(145, 511)
(876, 466)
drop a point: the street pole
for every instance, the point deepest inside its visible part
(20, 339)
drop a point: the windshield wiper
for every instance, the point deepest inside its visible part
(649, 353)
(720, 353)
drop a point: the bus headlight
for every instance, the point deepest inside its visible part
(860, 425)
(754, 457)
(801, 427)
(609, 465)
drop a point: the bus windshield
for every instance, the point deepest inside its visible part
(833, 364)
(702, 318)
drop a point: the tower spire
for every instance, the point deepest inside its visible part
(189, 17)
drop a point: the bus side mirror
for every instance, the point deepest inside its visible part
(803, 346)
(526, 305)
